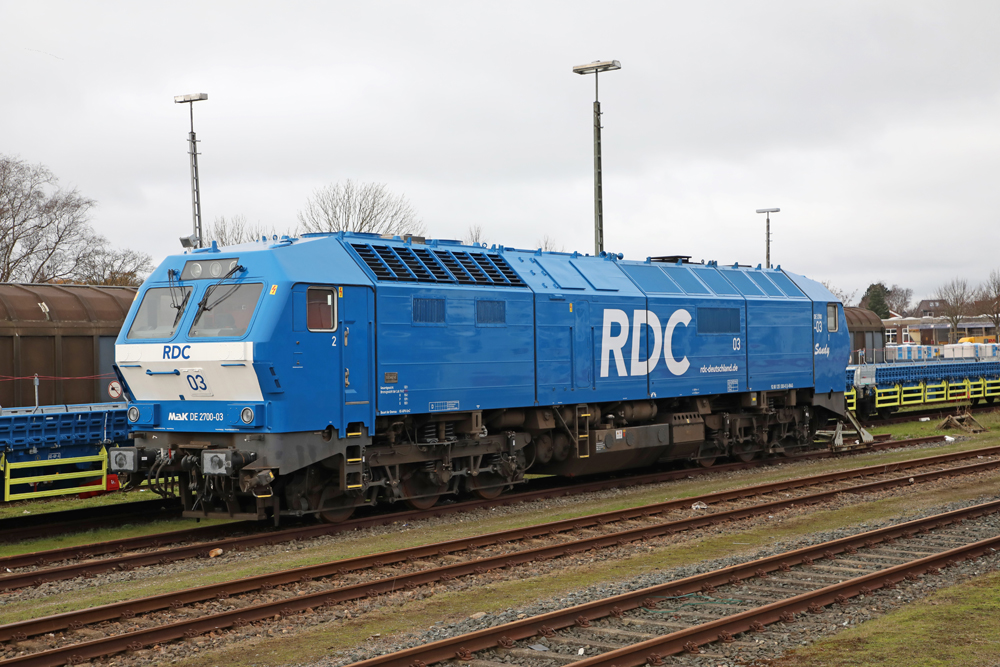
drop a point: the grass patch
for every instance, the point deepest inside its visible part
(102, 535)
(71, 502)
(950, 627)
(916, 429)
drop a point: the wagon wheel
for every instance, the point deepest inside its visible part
(486, 485)
(335, 506)
(420, 488)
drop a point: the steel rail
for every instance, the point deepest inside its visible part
(160, 539)
(543, 624)
(163, 556)
(811, 601)
(126, 610)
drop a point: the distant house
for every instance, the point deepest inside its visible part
(930, 308)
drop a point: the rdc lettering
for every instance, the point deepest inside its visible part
(612, 344)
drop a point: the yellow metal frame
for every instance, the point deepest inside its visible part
(885, 398)
(992, 388)
(958, 390)
(911, 395)
(9, 480)
(977, 388)
(851, 398)
(935, 392)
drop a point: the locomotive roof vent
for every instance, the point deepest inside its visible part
(672, 259)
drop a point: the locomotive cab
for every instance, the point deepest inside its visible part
(237, 371)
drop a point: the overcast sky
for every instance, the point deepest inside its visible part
(875, 127)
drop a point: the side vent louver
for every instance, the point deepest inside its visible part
(423, 265)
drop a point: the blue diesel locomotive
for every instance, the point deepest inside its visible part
(318, 374)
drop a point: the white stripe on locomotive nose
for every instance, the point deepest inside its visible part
(221, 371)
(228, 351)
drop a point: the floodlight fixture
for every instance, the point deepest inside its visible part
(193, 97)
(189, 241)
(599, 66)
(596, 68)
(767, 234)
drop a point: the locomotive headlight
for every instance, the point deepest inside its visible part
(196, 270)
(247, 415)
(133, 414)
(215, 269)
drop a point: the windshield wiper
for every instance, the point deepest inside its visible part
(203, 304)
(173, 284)
(180, 308)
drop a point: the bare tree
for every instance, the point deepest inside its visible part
(359, 207)
(846, 298)
(898, 299)
(236, 229)
(44, 230)
(108, 266)
(988, 300)
(549, 244)
(475, 235)
(957, 297)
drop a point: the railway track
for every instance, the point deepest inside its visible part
(742, 601)
(434, 563)
(149, 550)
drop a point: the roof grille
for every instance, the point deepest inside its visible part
(392, 259)
(433, 265)
(506, 270)
(456, 269)
(378, 267)
(422, 265)
(477, 274)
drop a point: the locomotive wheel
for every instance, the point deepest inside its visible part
(707, 454)
(485, 485)
(336, 506)
(420, 490)
(746, 452)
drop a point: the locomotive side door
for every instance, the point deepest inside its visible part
(356, 306)
(830, 341)
(583, 346)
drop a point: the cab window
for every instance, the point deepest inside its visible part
(225, 311)
(832, 321)
(159, 313)
(321, 309)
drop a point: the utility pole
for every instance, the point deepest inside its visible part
(196, 240)
(596, 68)
(767, 234)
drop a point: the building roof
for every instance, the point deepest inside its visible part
(862, 319)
